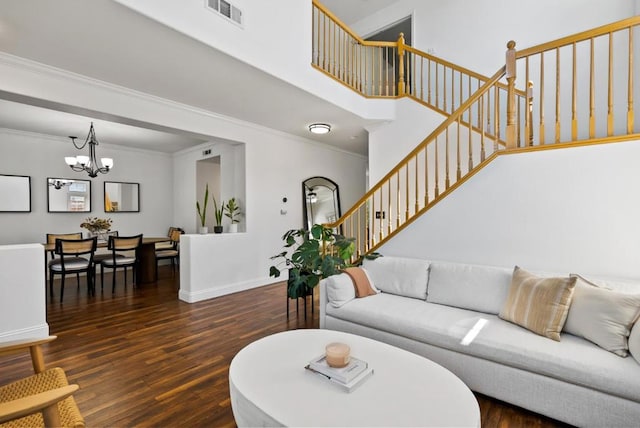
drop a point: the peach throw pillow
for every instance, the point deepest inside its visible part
(360, 282)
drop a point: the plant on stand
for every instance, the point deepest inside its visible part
(218, 214)
(232, 210)
(310, 256)
(202, 212)
(97, 226)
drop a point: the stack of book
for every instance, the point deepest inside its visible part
(348, 377)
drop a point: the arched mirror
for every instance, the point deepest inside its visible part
(321, 199)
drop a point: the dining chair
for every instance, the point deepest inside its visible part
(51, 240)
(172, 253)
(75, 256)
(168, 245)
(124, 253)
(42, 399)
(99, 257)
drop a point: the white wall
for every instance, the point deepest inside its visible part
(275, 38)
(22, 292)
(276, 165)
(41, 156)
(571, 210)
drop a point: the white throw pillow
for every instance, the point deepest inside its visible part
(399, 275)
(634, 342)
(478, 288)
(602, 316)
(340, 289)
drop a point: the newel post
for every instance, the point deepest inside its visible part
(511, 94)
(401, 64)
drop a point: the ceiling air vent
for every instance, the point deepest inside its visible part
(226, 9)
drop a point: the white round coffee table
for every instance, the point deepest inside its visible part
(270, 386)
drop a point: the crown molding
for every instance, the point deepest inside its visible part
(45, 70)
(65, 140)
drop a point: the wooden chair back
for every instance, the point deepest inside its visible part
(124, 243)
(51, 238)
(175, 235)
(76, 247)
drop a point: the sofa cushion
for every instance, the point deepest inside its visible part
(340, 289)
(538, 304)
(399, 275)
(574, 359)
(479, 288)
(622, 286)
(603, 316)
(634, 342)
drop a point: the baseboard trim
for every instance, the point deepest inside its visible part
(211, 293)
(36, 331)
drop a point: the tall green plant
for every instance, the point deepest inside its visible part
(217, 211)
(310, 256)
(202, 213)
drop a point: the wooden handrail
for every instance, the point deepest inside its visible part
(338, 21)
(578, 37)
(447, 64)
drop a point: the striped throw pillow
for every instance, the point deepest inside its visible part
(538, 304)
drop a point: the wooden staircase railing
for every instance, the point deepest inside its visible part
(451, 154)
(483, 116)
(581, 87)
(390, 69)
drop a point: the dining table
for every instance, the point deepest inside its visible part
(146, 256)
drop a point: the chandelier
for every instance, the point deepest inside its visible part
(89, 163)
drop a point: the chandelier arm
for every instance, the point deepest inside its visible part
(73, 140)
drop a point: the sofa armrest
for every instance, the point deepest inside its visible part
(323, 300)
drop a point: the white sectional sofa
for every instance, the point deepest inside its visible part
(430, 308)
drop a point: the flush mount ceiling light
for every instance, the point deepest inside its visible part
(89, 164)
(319, 128)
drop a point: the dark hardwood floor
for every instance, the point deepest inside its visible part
(144, 358)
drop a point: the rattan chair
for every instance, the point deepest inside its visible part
(119, 245)
(75, 256)
(43, 399)
(172, 253)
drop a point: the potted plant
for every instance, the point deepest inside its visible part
(310, 256)
(202, 212)
(232, 210)
(218, 215)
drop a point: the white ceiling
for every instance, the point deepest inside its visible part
(142, 54)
